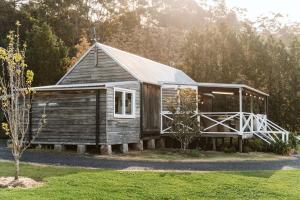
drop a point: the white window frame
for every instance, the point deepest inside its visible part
(124, 92)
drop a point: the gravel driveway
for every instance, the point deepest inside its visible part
(72, 159)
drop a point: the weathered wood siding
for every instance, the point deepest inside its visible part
(88, 70)
(122, 130)
(151, 109)
(168, 95)
(70, 116)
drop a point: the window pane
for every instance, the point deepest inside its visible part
(128, 102)
(118, 102)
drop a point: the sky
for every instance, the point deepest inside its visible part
(289, 8)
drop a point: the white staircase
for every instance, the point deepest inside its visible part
(268, 131)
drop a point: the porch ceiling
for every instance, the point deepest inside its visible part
(225, 87)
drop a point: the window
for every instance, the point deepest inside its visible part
(124, 103)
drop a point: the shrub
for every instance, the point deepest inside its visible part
(246, 149)
(281, 148)
(229, 149)
(256, 145)
(293, 141)
(195, 153)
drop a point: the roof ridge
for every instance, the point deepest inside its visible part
(137, 56)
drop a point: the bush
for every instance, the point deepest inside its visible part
(281, 148)
(229, 149)
(195, 153)
(246, 149)
(293, 141)
(256, 145)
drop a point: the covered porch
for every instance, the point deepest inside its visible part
(231, 110)
(236, 109)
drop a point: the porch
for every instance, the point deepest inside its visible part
(228, 110)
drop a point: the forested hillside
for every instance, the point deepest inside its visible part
(210, 43)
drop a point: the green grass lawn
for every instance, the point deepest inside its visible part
(77, 183)
(194, 155)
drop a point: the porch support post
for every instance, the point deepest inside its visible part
(241, 108)
(283, 137)
(214, 144)
(162, 142)
(81, 149)
(124, 148)
(251, 104)
(106, 149)
(161, 107)
(266, 105)
(151, 144)
(240, 144)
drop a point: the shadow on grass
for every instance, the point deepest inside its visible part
(257, 174)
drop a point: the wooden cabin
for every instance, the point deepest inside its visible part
(109, 97)
(114, 99)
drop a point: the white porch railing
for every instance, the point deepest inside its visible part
(234, 123)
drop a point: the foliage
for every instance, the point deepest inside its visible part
(184, 125)
(256, 144)
(281, 148)
(73, 183)
(230, 54)
(46, 55)
(15, 91)
(81, 48)
(195, 153)
(246, 149)
(293, 140)
(229, 149)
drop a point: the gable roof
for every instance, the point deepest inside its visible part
(143, 69)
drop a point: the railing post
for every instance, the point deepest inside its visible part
(241, 109)
(251, 122)
(283, 137)
(161, 108)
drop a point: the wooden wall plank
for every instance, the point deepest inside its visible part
(70, 120)
(87, 71)
(120, 130)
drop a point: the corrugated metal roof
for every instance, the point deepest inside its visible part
(83, 86)
(146, 70)
(231, 85)
(70, 87)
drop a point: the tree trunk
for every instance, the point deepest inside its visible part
(185, 145)
(17, 168)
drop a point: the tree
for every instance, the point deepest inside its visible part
(81, 48)
(46, 56)
(67, 18)
(15, 88)
(184, 125)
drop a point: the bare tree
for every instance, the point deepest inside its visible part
(16, 91)
(184, 125)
